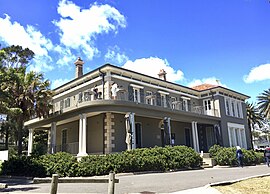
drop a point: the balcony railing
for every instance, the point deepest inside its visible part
(154, 100)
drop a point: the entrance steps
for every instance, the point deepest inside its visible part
(207, 161)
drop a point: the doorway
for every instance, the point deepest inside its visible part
(138, 132)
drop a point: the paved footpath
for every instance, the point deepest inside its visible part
(171, 182)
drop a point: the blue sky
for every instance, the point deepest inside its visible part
(194, 41)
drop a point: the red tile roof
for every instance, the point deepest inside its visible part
(204, 87)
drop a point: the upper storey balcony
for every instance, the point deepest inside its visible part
(95, 93)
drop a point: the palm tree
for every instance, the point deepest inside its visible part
(264, 103)
(31, 97)
(253, 117)
(23, 94)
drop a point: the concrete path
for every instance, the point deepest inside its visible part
(193, 181)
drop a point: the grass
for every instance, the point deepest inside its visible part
(250, 186)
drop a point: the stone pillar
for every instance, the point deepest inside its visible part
(82, 136)
(195, 136)
(30, 141)
(109, 133)
(53, 138)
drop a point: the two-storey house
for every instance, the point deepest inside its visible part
(111, 109)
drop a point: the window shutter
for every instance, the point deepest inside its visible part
(158, 99)
(130, 93)
(168, 101)
(142, 95)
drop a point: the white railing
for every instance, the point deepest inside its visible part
(123, 95)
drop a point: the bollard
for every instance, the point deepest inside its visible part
(54, 184)
(111, 183)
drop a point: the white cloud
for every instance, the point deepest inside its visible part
(29, 37)
(79, 27)
(258, 73)
(58, 82)
(209, 80)
(115, 56)
(152, 65)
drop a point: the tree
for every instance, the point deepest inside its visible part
(253, 117)
(264, 103)
(25, 94)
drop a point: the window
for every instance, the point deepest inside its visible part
(237, 135)
(136, 94)
(185, 105)
(173, 103)
(67, 102)
(227, 106)
(239, 109)
(233, 108)
(207, 105)
(163, 100)
(61, 104)
(149, 98)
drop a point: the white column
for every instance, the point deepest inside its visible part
(82, 136)
(195, 136)
(30, 141)
(53, 138)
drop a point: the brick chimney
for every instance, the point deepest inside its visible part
(79, 67)
(162, 74)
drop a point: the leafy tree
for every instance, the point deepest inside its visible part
(264, 103)
(24, 94)
(253, 117)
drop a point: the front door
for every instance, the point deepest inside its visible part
(188, 137)
(64, 140)
(202, 138)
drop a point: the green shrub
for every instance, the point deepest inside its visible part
(259, 157)
(227, 156)
(62, 163)
(23, 166)
(214, 150)
(143, 159)
(249, 157)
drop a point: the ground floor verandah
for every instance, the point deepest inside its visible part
(108, 133)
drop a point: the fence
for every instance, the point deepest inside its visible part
(55, 180)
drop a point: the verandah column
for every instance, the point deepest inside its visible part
(195, 136)
(30, 142)
(82, 136)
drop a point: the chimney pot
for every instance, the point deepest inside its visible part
(162, 74)
(79, 67)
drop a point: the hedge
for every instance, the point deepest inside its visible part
(227, 156)
(143, 159)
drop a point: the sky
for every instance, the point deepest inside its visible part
(220, 42)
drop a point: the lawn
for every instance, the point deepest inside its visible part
(250, 186)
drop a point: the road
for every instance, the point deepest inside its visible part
(145, 183)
